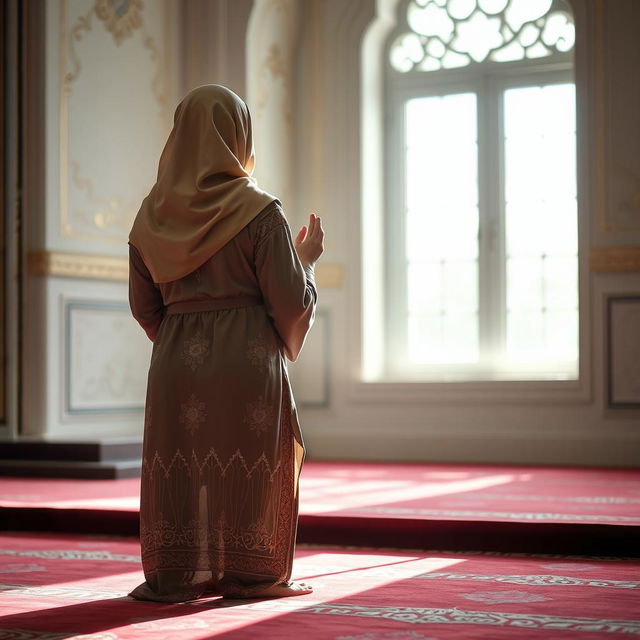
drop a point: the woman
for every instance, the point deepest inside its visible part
(224, 293)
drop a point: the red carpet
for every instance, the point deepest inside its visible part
(63, 586)
(409, 505)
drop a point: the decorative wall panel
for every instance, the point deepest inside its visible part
(107, 358)
(115, 102)
(624, 351)
(617, 100)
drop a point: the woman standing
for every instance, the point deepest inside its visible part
(224, 293)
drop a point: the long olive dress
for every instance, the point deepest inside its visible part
(222, 443)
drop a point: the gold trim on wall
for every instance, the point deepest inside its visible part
(77, 265)
(120, 25)
(99, 267)
(614, 259)
(329, 276)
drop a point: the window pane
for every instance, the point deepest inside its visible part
(445, 338)
(444, 286)
(451, 234)
(425, 286)
(442, 228)
(541, 224)
(524, 290)
(542, 336)
(560, 284)
(561, 335)
(535, 226)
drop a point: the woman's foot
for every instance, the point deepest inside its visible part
(285, 589)
(281, 590)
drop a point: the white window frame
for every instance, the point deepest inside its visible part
(488, 80)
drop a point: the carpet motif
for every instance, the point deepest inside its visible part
(489, 554)
(576, 499)
(393, 635)
(504, 597)
(182, 624)
(21, 568)
(458, 513)
(538, 580)
(419, 615)
(72, 593)
(72, 554)
(561, 566)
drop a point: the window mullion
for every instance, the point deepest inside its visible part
(500, 260)
(491, 236)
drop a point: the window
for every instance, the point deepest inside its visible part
(482, 248)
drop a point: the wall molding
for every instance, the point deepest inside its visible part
(614, 259)
(330, 275)
(77, 265)
(100, 267)
(477, 446)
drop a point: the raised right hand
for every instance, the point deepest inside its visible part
(309, 244)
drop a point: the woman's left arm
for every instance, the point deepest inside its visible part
(145, 298)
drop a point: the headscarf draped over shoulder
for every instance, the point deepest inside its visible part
(204, 194)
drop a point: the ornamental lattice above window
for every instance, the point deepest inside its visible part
(449, 34)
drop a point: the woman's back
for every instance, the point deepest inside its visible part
(259, 265)
(231, 272)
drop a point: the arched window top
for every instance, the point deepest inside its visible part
(449, 34)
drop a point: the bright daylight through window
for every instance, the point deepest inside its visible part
(483, 250)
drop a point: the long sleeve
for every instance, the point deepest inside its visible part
(145, 298)
(288, 288)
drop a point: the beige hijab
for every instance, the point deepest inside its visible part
(204, 194)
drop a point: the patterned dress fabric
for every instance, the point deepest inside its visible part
(222, 446)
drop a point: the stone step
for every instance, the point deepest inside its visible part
(99, 450)
(88, 469)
